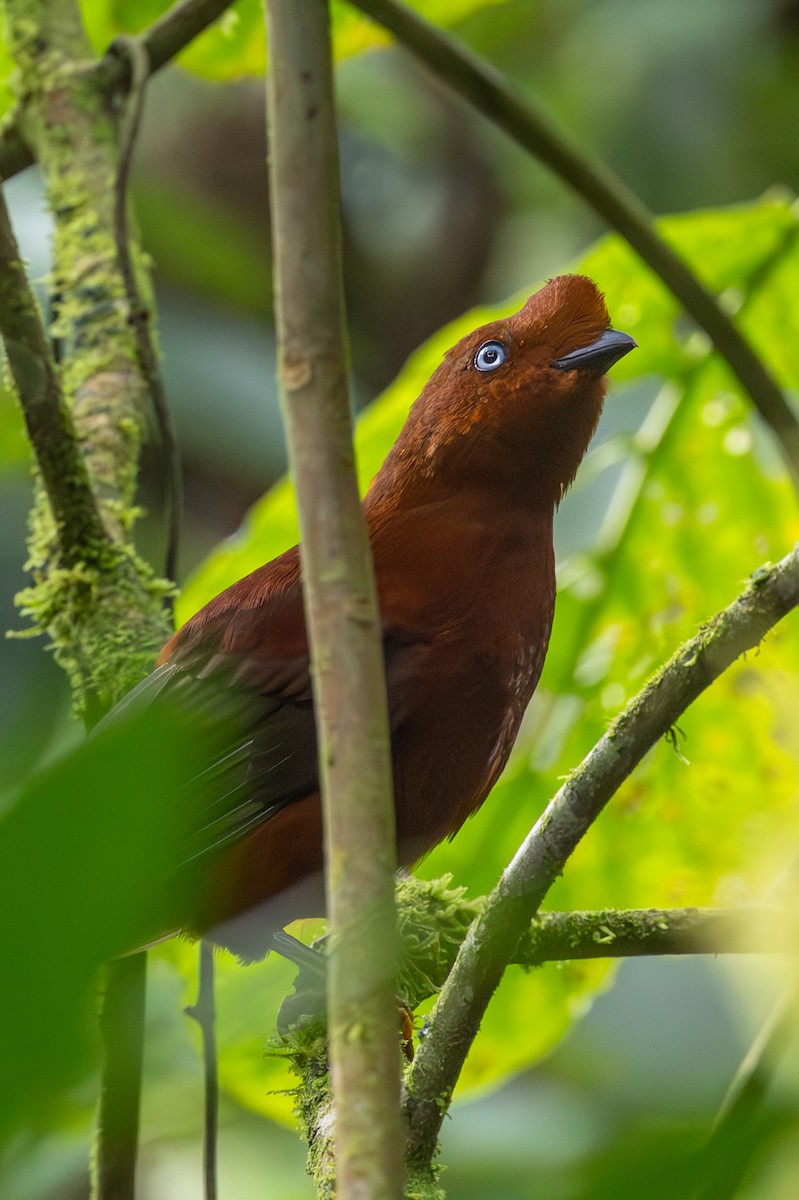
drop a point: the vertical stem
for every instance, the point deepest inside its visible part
(341, 605)
(122, 1030)
(204, 1013)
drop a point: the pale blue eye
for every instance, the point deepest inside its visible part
(490, 356)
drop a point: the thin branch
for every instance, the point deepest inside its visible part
(81, 533)
(485, 89)
(491, 943)
(748, 1083)
(340, 601)
(138, 311)
(203, 1011)
(179, 26)
(165, 39)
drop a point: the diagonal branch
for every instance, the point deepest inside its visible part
(80, 531)
(772, 592)
(485, 89)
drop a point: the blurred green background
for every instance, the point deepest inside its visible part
(695, 107)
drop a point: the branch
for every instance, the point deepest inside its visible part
(179, 26)
(80, 531)
(340, 601)
(772, 592)
(165, 39)
(435, 918)
(638, 932)
(485, 89)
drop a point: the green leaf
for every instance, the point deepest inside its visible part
(700, 502)
(87, 851)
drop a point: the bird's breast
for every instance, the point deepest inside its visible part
(468, 619)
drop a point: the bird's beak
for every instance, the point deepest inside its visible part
(599, 356)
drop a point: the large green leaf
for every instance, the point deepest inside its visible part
(87, 855)
(234, 46)
(701, 501)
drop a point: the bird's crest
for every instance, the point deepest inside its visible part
(569, 311)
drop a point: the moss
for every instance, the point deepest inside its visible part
(105, 628)
(433, 919)
(104, 618)
(306, 1051)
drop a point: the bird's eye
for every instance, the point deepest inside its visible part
(490, 356)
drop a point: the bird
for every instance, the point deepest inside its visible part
(460, 523)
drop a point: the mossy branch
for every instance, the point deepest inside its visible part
(434, 919)
(80, 532)
(491, 943)
(103, 607)
(485, 89)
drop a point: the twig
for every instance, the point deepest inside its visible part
(165, 38)
(122, 1030)
(340, 602)
(81, 533)
(490, 945)
(204, 1013)
(485, 89)
(135, 50)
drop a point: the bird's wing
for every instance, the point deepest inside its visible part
(242, 664)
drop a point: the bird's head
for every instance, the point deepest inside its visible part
(514, 404)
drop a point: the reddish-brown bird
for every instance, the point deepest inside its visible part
(460, 521)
